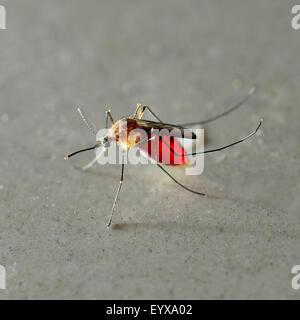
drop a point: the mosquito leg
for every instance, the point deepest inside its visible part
(176, 181)
(117, 194)
(236, 106)
(137, 111)
(214, 150)
(148, 108)
(168, 174)
(108, 116)
(106, 119)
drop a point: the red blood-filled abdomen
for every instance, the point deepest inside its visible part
(165, 154)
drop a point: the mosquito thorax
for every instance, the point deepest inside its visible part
(126, 134)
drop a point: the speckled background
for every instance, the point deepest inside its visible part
(188, 60)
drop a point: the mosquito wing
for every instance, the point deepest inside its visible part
(173, 130)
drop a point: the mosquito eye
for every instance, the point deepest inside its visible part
(105, 142)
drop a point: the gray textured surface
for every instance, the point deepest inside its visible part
(183, 58)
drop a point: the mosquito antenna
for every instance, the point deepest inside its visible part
(82, 150)
(215, 150)
(89, 124)
(235, 107)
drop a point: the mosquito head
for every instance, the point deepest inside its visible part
(104, 142)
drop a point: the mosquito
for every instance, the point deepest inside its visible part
(120, 131)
